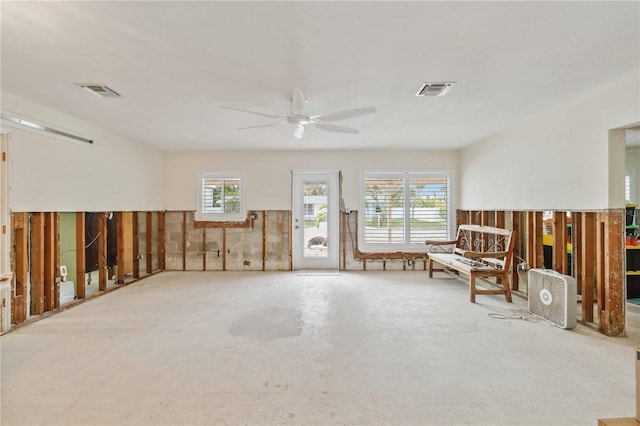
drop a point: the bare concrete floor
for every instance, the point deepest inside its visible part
(278, 348)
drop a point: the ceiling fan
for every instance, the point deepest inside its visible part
(300, 118)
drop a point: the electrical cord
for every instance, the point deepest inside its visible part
(514, 316)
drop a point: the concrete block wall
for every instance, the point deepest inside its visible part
(230, 249)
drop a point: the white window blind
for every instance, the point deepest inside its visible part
(402, 210)
(220, 197)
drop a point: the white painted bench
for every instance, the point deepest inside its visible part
(477, 252)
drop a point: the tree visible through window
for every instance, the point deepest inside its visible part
(404, 209)
(220, 197)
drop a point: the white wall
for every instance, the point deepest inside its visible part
(559, 159)
(49, 174)
(268, 173)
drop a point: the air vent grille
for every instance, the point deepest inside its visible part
(100, 90)
(434, 89)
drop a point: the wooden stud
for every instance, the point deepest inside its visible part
(21, 266)
(588, 264)
(343, 239)
(37, 263)
(576, 249)
(499, 219)
(515, 226)
(102, 251)
(184, 241)
(80, 256)
(600, 271)
(224, 249)
(265, 230)
(560, 241)
(161, 241)
(56, 260)
(136, 247)
(149, 241)
(531, 240)
(613, 315)
(538, 244)
(290, 241)
(49, 261)
(121, 247)
(204, 249)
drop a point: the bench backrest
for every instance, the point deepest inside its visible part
(486, 239)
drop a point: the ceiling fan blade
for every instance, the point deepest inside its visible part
(262, 125)
(330, 127)
(343, 115)
(298, 103)
(251, 112)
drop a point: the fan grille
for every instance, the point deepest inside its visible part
(548, 296)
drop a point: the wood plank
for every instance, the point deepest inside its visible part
(80, 256)
(588, 264)
(290, 241)
(204, 249)
(515, 226)
(265, 224)
(121, 247)
(37, 263)
(184, 241)
(49, 261)
(161, 240)
(576, 244)
(149, 241)
(600, 270)
(531, 239)
(247, 223)
(20, 266)
(56, 260)
(614, 300)
(560, 241)
(102, 251)
(136, 247)
(224, 249)
(499, 219)
(538, 243)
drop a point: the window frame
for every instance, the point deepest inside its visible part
(406, 175)
(202, 216)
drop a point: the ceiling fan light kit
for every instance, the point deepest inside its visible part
(300, 118)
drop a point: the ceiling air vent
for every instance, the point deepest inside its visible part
(100, 90)
(434, 89)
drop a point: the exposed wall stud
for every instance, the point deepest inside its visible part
(148, 242)
(80, 256)
(161, 241)
(560, 241)
(49, 261)
(588, 264)
(136, 247)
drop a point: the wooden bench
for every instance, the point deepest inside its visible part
(477, 252)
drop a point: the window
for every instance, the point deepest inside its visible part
(628, 185)
(220, 197)
(309, 211)
(399, 211)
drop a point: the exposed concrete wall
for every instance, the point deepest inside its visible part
(174, 238)
(278, 230)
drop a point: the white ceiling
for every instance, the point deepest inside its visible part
(175, 63)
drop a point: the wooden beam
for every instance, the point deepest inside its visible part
(560, 241)
(265, 218)
(247, 223)
(184, 242)
(538, 243)
(136, 246)
(20, 265)
(37, 263)
(290, 241)
(56, 259)
(515, 226)
(613, 319)
(499, 219)
(80, 256)
(161, 241)
(121, 247)
(484, 218)
(531, 239)
(49, 261)
(204, 249)
(576, 251)
(588, 264)
(600, 270)
(102, 251)
(224, 249)
(148, 241)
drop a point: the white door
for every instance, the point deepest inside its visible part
(315, 220)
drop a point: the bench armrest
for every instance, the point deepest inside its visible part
(480, 254)
(440, 243)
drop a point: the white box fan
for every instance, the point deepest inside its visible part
(552, 297)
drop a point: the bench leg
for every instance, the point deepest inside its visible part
(472, 288)
(507, 289)
(430, 268)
